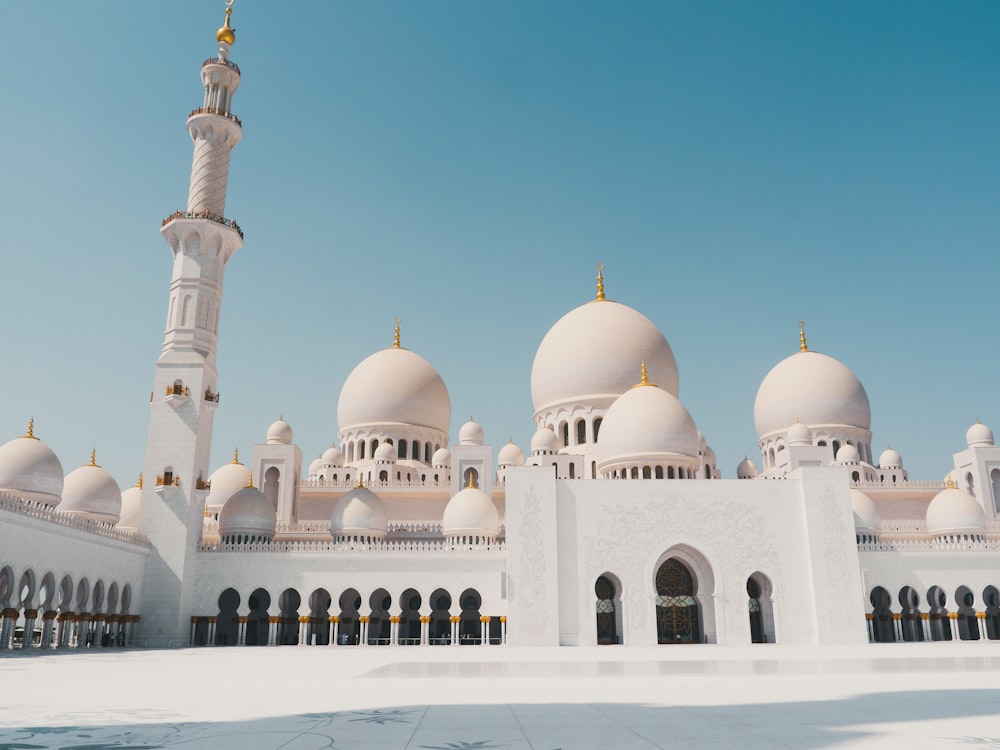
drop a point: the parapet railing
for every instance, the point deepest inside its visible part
(35, 509)
(409, 546)
(204, 215)
(221, 61)
(216, 111)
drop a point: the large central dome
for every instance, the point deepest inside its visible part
(394, 386)
(592, 353)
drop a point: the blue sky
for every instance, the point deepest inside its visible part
(736, 166)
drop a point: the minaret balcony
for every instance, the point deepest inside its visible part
(203, 484)
(177, 394)
(216, 111)
(204, 215)
(221, 61)
(166, 483)
(212, 399)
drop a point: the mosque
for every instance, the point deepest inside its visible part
(615, 527)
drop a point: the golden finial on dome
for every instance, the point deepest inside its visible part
(395, 338)
(802, 337)
(207, 514)
(93, 457)
(31, 429)
(472, 481)
(236, 456)
(951, 483)
(645, 377)
(600, 281)
(139, 483)
(361, 479)
(227, 33)
(250, 480)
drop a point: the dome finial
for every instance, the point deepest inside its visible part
(395, 338)
(139, 483)
(361, 479)
(472, 481)
(31, 429)
(600, 281)
(207, 514)
(802, 337)
(644, 380)
(250, 480)
(951, 483)
(93, 457)
(226, 34)
(236, 456)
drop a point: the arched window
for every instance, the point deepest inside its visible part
(608, 616)
(383, 476)
(597, 427)
(272, 485)
(635, 472)
(415, 450)
(581, 432)
(760, 609)
(995, 482)
(564, 428)
(572, 471)
(361, 450)
(658, 473)
(670, 472)
(401, 449)
(970, 483)
(470, 476)
(647, 472)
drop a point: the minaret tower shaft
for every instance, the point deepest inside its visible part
(185, 396)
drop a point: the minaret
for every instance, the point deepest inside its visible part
(185, 395)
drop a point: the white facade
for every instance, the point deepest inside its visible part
(616, 526)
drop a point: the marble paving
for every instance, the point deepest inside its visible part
(477, 698)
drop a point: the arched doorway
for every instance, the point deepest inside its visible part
(409, 618)
(470, 629)
(379, 627)
(608, 611)
(991, 597)
(440, 624)
(258, 621)
(677, 613)
(349, 627)
(940, 626)
(288, 617)
(761, 610)
(909, 612)
(319, 618)
(883, 629)
(227, 622)
(968, 622)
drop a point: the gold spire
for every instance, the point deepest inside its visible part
(951, 483)
(361, 479)
(227, 33)
(472, 481)
(250, 480)
(139, 483)
(395, 338)
(236, 456)
(645, 378)
(600, 282)
(31, 429)
(802, 337)
(93, 457)
(207, 514)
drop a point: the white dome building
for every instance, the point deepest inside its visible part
(92, 493)
(979, 435)
(587, 360)
(393, 395)
(954, 513)
(279, 433)
(359, 516)
(471, 433)
(866, 516)
(30, 470)
(128, 520)
(544, 442)
(816, 391)
(471, 518)
(225, 482)
(648, 434)
(248, 517)
(747, 469)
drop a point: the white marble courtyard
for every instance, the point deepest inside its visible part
(935, 695)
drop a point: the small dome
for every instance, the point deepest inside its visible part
(747, 469)
(30, 469)
(890, 459)
(510, 455)
(866, 516)
(248, 512)
(471, 513)
(226, 33)
(646, 423)
(848, 454)
(953, 511)
(544, 441)
(315, 466)
(441, 458)
(279, 433)
(131, 504)
(385, 454)
(361, 512)
(471, 433)
(93, 493)
(813, 388)
(332, 456)
(226, 481)
(394, 386)
(979, 435)
(799, 434)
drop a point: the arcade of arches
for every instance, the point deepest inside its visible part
(349, 620)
